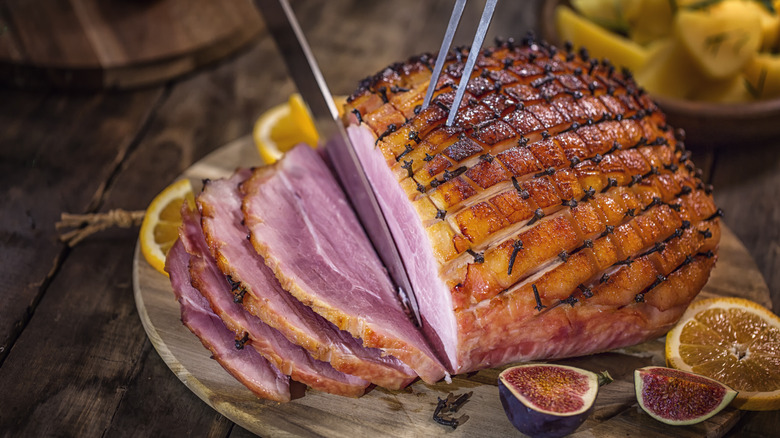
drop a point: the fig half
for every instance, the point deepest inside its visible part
(545, 400)
(678, 397)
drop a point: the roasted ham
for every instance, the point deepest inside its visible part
(559, 215)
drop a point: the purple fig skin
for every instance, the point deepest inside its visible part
(537, 424)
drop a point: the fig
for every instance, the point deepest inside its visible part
(678, 397)
(546, 400)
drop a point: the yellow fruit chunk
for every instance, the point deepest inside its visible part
(671, 73)
(722, 39)
(650, 20)
(612, 14)
(734, 341)
(762, 76)
(770, 22)
(600, 42)
(160, 227)
(284, 126)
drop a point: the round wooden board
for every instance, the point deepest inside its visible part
(408, 413)
(89, 44)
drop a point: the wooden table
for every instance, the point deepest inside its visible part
(74, 358)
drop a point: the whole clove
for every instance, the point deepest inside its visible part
(450, 405)
(241, 342)
(570, 300)
(520, 191)
(516, 247)
(357, 114)
(408, 166)
(478, 256)
(588, 194)
(586, 291)
(538, 214)
(538, 299)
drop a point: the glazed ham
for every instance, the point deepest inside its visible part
(262, 294)
(250, 331)
(246, 365)
(559, 215)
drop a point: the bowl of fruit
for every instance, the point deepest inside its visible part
(712, 65)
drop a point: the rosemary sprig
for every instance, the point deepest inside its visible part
(758, 89)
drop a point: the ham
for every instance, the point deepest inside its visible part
(262, 294)
(249, 330)
(301, 223)
(246, 365)
(559, 216)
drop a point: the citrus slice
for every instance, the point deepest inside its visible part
(284, 126)
(734, 341)
(160, 227)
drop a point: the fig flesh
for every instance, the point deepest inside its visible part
(546, 400)
(679, 398)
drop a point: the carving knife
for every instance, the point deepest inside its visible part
(303, 68)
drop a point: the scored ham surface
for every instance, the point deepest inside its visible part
(559, 216)
(223, 226)
(289, 358)
(302, 224)
(246, 365)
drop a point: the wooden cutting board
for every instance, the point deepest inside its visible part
(409, 412)
(94, 44)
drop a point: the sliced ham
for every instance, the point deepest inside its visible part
(249, 330)
(246, 365)
(301, 223)
(223, 226)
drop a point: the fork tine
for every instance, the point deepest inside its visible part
(476, 46)
(452, 26)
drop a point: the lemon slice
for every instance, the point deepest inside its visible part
(286, 125)
(282, 127)
(160, 227)
(734, 341)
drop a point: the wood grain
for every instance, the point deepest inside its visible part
(89, 45)
(392, 413)
(49, 164)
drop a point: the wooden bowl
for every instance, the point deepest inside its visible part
(707, 125)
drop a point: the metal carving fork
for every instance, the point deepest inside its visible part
(476, 46)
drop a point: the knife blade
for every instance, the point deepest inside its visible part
(305, 72)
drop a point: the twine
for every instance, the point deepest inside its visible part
(92, 223)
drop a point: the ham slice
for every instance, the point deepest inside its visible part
(559, 215)
(246, 365)
(249, 330)
(301, 223)
(223, 226)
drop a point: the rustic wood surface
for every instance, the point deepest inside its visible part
(408, 412)
(74, 357)
(91, 45)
